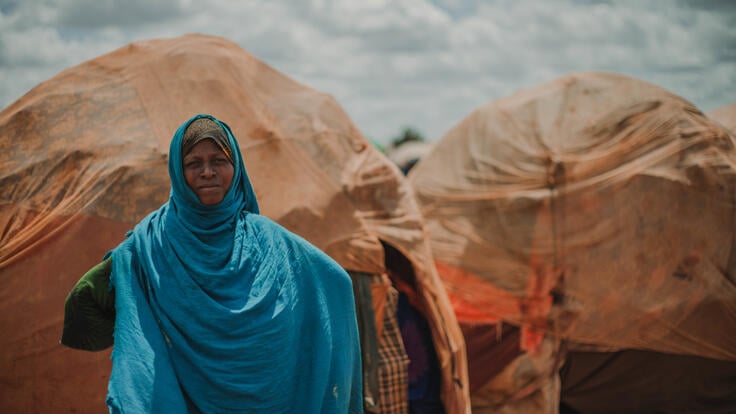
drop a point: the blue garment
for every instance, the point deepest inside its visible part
(221, 310)
(425, 378)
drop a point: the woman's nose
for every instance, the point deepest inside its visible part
(208, 170)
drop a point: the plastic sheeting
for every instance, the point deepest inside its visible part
(84, 158)
(726, 116)
(595, 209)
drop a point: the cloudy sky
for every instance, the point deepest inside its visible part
(392, 64)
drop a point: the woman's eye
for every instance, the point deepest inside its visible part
(191, 165)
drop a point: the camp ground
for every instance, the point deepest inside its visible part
(84, 159)
(584, 230)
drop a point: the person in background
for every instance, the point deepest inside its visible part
(213, 308)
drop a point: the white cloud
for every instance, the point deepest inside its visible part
(133, 13)
(419, 63)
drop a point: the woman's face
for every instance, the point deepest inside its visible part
(208, 172)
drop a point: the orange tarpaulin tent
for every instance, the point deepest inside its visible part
(84, 158)
(594, 212)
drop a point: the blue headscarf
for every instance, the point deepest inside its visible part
(221, 310)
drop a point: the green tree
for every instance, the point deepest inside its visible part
(408, 134)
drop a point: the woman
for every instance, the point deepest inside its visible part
(218, 309)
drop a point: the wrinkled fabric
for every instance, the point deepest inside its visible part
(221, 310)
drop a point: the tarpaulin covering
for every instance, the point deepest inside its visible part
(595, 209)
(84, 158)
(726, 116)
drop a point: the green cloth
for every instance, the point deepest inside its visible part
(89, 311)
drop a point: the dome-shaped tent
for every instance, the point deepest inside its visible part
(592, 212)
(84, 158)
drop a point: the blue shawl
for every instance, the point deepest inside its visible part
(221, 310)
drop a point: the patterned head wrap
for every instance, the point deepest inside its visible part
(205, 128)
